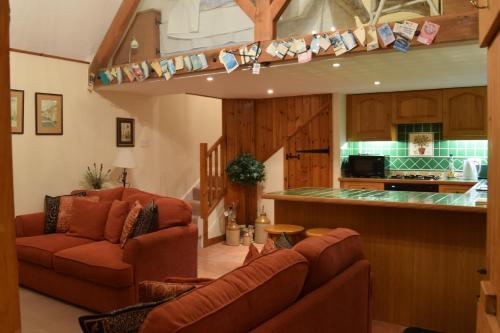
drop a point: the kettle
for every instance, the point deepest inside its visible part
(472, 167)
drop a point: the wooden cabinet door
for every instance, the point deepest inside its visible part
(362, 186)
(425, 106)
(369, 117)
(454, 188)
(465, 113)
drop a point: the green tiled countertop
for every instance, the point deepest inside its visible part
(442, 181)
(400, 199)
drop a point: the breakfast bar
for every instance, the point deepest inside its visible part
(425, 248)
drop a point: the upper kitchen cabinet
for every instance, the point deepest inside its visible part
(465, 113)
(369, 117)
(414, 107)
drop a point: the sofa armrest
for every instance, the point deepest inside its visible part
(167, 252)
(30, 224)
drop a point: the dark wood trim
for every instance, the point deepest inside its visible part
(22, 125)
(36, 113)
(114, 35)
(49, 56)
(9, 290)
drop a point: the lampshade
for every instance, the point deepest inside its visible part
(124, 159)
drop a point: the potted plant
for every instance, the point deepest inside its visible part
(95, 178)
(246, 172)
(422, 141)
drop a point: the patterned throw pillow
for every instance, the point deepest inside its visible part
(65, 211)
(51, 208)
(130, 222)
(126, 320)
(153, 291)
(253, 253)
(283, 242)
(147, 221)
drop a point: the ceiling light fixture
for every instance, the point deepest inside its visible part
(270, 91)
(313, 32)
(333, 29)
(210, 78)
(377, 83)
(336, 65)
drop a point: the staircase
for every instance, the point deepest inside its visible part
(193, 197)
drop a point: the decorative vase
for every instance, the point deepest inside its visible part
(421, 150)
(247, 239)
(233, 233)
(261, 223)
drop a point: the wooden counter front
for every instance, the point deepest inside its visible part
(424, 262)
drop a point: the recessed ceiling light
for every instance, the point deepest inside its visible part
(336, 64)
(313, 32)
(270, 91)
(210, 78)
(333, 29)
(377, 83)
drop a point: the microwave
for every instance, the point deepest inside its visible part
(367, 166)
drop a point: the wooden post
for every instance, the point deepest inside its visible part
(9, 290)
(204, 190)
(264, 14)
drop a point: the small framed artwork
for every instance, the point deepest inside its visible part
(421, 144)
(17, 111)
(125, 132)
(48, 114)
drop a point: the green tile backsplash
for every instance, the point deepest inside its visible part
(398, 150)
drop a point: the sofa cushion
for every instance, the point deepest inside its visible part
(173, 212)
(236, 302)
(88, 219)
(116, 218)
(66, 211)
(130, 222)
(97, 262)
(131, 195)
(40, 249)
(329, 255)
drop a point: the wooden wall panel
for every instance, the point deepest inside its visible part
(262, 127)
(9, 297)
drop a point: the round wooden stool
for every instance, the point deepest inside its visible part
(317, 232)
(294, 231)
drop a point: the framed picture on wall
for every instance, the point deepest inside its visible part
(17, 111)
(125, 132)
(48, 114)
(421, 144)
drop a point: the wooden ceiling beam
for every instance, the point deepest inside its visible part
(247, 7)
(114, 34)
(277, 8)
(264, 14)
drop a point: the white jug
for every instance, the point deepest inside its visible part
(472, 166)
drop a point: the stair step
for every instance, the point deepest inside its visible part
(196, 193)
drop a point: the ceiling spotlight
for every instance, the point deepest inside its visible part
(210, 78)
(270, 91)
(333, 29)
(313, 32)
(377, 83)
(336, 65)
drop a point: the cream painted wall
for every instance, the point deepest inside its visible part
(185, 122)
(55, 164)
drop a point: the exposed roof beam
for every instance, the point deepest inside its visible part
(278, 7)
(248, 8)
(114, 34)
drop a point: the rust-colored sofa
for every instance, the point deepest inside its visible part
(99, 275)
(322, 285)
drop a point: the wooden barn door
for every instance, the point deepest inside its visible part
(308, 154)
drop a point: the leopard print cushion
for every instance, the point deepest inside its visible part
(126, 320)
(51, 208)
(152, 291)
(147, 221)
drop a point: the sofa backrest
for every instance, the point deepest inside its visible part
(329, 255)
(238, 301)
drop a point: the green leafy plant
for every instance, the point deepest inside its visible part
(421, 140)
(95, 178)
(246, 170)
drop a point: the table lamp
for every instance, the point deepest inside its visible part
(124, 159)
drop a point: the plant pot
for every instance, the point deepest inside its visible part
(421, 150)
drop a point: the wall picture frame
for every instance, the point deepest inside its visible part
(125, 132)
(49, 114)
(421, 144)
(17, 111)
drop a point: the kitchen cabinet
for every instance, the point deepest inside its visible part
(414, 107)
(361, 185)
(454, 188)
(369, 117)
(465, 113)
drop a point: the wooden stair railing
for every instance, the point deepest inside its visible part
(212, 182)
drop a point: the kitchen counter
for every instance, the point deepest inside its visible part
(399, 199)
(443, 181)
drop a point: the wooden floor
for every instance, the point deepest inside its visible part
(42, 314)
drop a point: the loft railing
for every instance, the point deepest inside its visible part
(212, 178)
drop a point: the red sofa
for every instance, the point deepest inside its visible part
(321, 285)
(100, 275)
